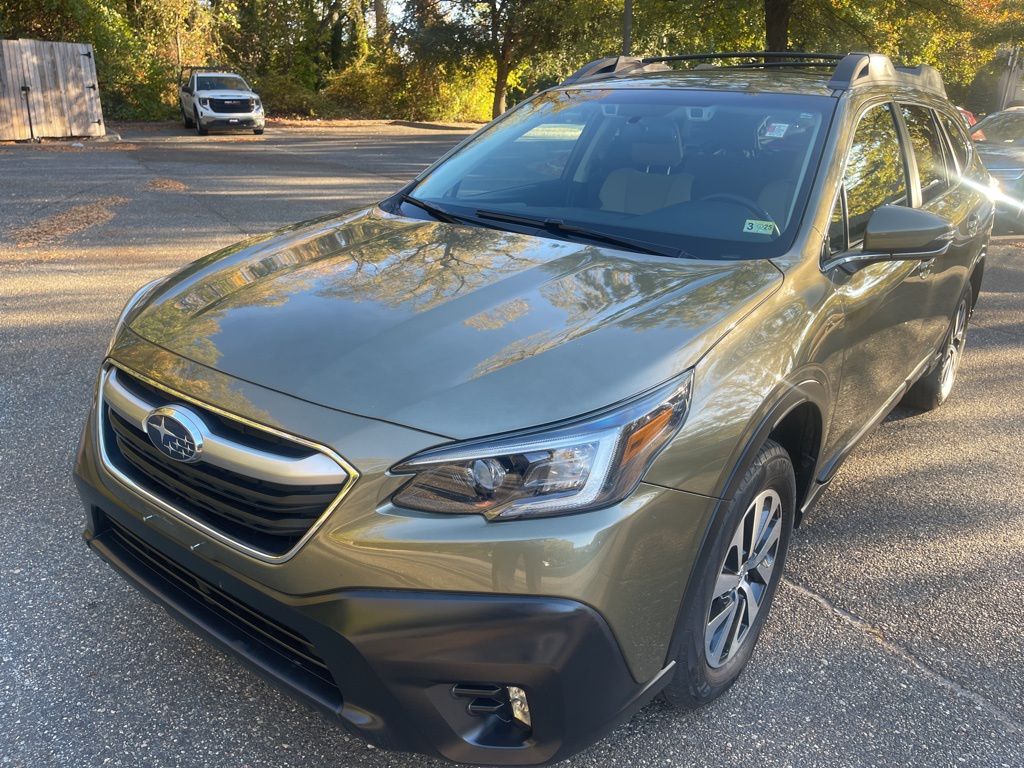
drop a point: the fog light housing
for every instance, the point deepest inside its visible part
(520, 706)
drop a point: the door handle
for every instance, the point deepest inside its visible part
(924, 268)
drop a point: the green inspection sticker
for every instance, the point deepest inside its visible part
(758, 227)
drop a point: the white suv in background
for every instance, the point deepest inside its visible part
(211, 99)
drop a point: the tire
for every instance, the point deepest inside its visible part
(200, 131)
(258, 131)
(936, 385)
(186, 119)
(710, 658)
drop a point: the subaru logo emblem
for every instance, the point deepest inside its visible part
(176, 432)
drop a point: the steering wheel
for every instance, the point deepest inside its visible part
(747, 203)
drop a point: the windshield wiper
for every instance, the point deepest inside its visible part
(438, 213)
(560, 227)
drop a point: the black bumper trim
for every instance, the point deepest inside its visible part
(396, 654)
(224, 122)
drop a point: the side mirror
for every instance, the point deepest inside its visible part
(898, 233)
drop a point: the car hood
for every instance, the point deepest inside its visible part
(221, 94)
(455, 330)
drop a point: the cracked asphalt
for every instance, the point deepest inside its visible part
(896, 640)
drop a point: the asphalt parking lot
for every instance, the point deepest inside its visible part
(897, 638)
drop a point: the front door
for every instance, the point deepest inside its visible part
(886, 303)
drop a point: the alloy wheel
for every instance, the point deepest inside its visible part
(953, 353)
(741, 587)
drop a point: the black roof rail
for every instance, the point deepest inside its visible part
(797, 56)
(875, 68)
(612, 66)
(850, 69)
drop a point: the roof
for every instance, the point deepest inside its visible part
(789, 81)
(785, 71)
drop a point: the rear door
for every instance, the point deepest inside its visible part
(940, 188)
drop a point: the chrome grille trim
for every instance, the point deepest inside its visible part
(129, 405)
(315, 469)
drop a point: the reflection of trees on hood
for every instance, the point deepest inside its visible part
(358, 262)
(633, 295)
(422, 270)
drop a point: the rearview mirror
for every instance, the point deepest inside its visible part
(898, 233)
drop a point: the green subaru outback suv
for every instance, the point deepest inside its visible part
(481, 469)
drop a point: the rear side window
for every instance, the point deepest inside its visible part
(875, 174)
(926, 140)
(958, 138)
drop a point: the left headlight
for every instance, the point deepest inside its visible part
(583, 465)
(134, 301)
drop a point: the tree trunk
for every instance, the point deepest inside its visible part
(381, 28)
(627, 28)
(357, 17)
(500, 85)
(777, 14)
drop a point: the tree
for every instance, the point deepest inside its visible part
(777, 15)
(514, 30)
(381, 26)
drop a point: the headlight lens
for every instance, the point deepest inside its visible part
(584, 465)
(204, 103)
(137, 297)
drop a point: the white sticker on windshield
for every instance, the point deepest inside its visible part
(759, 227)
(776, 130)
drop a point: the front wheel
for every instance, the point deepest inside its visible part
(935, 386)
(736, 577)
(200, 131)
(258, 131)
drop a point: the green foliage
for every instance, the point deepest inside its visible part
(286, 95)
(411, 91)
(463, 59)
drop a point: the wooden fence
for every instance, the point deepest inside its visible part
(62, 96)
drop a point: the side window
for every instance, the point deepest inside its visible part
(926, 140)
(875, 173)
(958, 138)
(837, 227)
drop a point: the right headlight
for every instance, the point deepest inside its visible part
(584, 465)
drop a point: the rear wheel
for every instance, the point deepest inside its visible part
(735, 581)
(935, 386)
(258, 131)
(185, 118)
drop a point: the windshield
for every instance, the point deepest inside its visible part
(1003, 128)
(221, 83)
(713, 174)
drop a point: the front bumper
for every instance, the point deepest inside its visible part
(384, 662)
(395, 608)
(209, 119)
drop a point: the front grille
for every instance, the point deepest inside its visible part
(231, 106)
(255, 625)
(270, 517)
